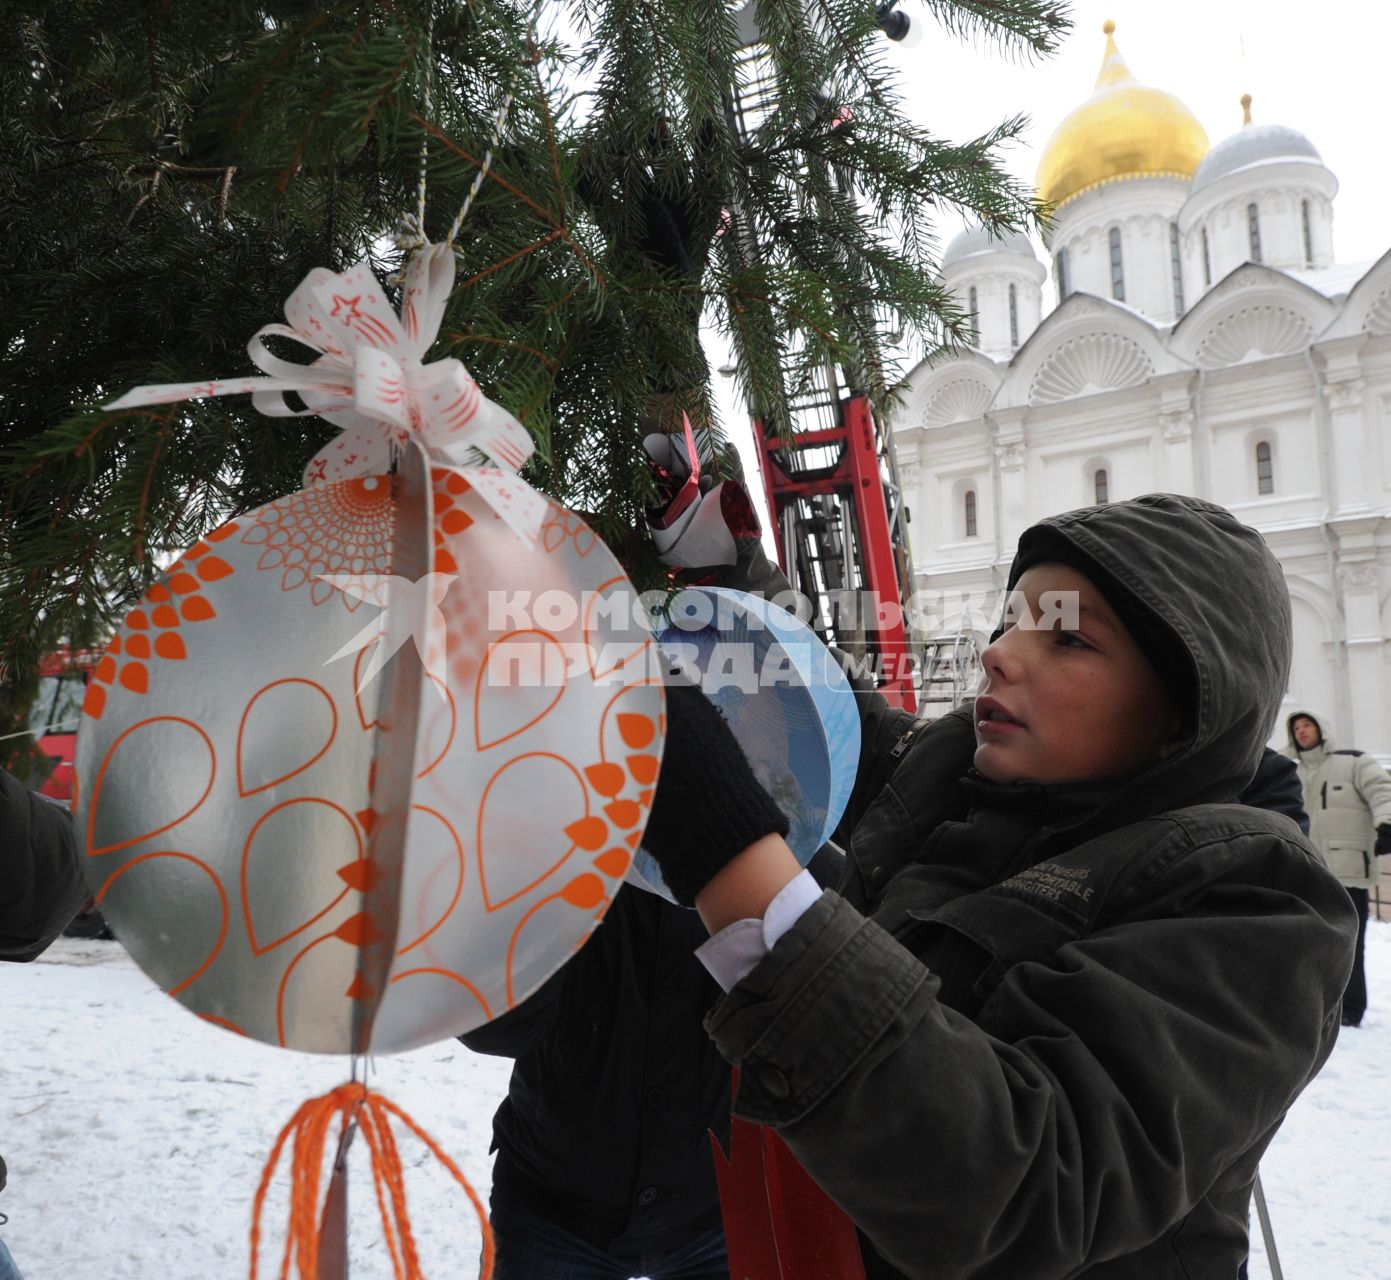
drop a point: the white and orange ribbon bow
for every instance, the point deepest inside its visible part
(371, 381)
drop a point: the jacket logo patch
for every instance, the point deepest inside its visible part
(1052, 881)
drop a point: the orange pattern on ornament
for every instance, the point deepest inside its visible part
(161, 611)
(585, 812)
(339, 529)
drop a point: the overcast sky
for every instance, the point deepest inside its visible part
(1319, 68)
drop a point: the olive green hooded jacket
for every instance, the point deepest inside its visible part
(1047, 1031)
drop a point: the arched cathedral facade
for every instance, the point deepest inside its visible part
(1201, 340)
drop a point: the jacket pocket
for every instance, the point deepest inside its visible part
(1348, 860)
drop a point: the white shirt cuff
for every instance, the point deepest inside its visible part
(731, 954)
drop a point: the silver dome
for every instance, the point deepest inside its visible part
(1253, 144)
(978, 240)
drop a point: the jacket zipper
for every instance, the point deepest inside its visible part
(1325, 795)
(904, 742)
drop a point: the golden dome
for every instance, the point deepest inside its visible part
(1124, 130)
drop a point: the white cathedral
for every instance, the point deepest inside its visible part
(1202, 341)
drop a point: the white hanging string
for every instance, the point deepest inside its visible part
(499, 124)
(410, 230)
(410, 227)
(425, 137)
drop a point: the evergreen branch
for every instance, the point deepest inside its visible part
(513, 257)
(142, 508)
(282, 59)
(326, 97)
(495, 177)
(549, 124)
(658, 61)
(1038, 25)
(551, 365)
(851, 51)
(283, 138)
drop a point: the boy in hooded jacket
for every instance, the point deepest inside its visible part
(1348, 796)
(1068, 990)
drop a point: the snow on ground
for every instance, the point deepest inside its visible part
(135, 1136)
(135, 1133)
(1327, 1175)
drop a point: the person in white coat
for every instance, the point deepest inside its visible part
(1348, 797)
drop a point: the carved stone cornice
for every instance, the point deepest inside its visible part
(1177, 425)
(1345, 394)
(1359, 575)
(1009, 455)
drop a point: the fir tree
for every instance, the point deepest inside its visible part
(170, 171)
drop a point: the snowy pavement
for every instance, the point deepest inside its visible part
(135, 1136)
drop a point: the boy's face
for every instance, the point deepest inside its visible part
(1060, 705)
(1306, 733)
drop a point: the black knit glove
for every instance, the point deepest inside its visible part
(709, 807)
(1384, 838)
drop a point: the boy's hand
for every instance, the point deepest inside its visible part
(1383, 845)
(709, 807)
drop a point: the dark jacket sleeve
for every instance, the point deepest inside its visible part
(1096, 1097)
(41, 884)
(1276, 787)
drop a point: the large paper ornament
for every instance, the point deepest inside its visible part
(243, 802)
(318, 847)
(786, 700)
(335, 793)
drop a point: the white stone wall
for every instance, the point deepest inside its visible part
(1141, 210)
(992, 275)
(1278, 190)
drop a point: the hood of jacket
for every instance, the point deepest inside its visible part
(1325, 730)
(1213, 600)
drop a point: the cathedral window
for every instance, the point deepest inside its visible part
(1176, 262)
(1308, 235)
(1265, 468)
(1013, 317)
(1207, 261)
(975, 314)
(1117, 270)
(1253, 224)
(968, 504)
(1101, 486)
(1062, 275)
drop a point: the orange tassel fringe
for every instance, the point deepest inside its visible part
(310, 1128)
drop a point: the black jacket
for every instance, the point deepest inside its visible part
(1276, 787)
(41, 883)
(604, 1128)
(1047, 1031)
